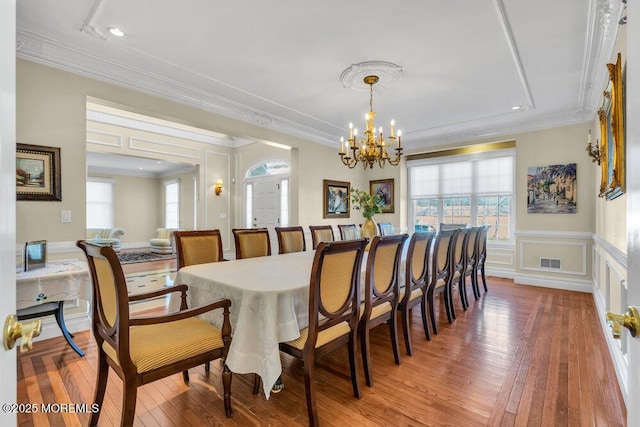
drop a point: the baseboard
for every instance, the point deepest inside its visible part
(617, 357)
(136, 245)
(553, 283)
(76, 322)
(506, 273)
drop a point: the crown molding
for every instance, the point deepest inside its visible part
(50, 52)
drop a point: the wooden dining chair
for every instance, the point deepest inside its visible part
(251, 242)
(456, 278)
(386, 229)
(349, 231)
(482, 255)
(198, 247)
(334, 311)
(291, 239)
(144, 349)
(440, 271)
(470, 263)
(381, 295)
(416, 282)
(321, 233)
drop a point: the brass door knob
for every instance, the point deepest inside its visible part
(630, 320)
(14, 330)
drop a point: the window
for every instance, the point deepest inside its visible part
(249, 212)
(284, 203)
(475, 190)
(172, 203)
(100, 203)
(269, 168)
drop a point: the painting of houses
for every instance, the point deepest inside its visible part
(552, 189)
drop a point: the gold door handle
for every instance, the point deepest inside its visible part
(629, 320)
(14, 330)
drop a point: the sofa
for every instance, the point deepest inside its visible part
(163, 243)
(110, 236)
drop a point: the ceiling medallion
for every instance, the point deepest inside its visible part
(353, 77)
(370, 149)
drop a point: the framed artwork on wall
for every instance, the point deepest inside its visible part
(613, 107)
(37, 173)
(552, 189)
(384, 189)
(335, 203)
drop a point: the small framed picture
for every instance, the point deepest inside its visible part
(37, 173)
(336, 199)
(384, 189)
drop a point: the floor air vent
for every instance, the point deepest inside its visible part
(550, 263)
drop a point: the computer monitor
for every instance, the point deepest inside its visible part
(35, 255)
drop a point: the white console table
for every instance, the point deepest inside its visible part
(43, 292)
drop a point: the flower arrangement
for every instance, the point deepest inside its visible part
(367, 203)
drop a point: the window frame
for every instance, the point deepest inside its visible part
(165, 184)
(473, 196)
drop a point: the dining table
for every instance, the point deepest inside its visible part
(269, 304)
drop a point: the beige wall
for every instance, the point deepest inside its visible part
(51, 111)
(136, 206)
(564, 236)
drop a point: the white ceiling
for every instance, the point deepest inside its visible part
(465, 64)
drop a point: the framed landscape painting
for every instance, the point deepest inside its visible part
(335, 203)
(552, 189)
(384, 189)
(37, 172)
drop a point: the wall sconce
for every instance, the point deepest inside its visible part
(218, 187)
(595, 154)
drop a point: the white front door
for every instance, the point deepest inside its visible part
(8, 391)
(266, 206)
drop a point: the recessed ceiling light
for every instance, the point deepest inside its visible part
(116, 31)
(516, 108)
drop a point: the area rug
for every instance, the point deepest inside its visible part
(133, 257)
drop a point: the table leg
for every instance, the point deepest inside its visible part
(63, 327)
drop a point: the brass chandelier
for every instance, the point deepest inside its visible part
(371, 148)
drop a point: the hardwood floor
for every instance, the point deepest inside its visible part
(519, 356)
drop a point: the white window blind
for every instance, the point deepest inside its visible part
(495, 175)
(99, 203)
(455, 178)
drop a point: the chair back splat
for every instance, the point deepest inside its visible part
(291, 239)
(145, 349)
(321, 233)
(251, 242)
(457, 267)
(198, 247)
(349, 231)
(417, 279)
(441, 266)
(334, 311)
(386, 229)
(381, 295)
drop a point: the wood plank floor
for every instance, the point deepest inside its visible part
(519, 356)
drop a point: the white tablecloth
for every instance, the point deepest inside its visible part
(269, 304)
(58, 281)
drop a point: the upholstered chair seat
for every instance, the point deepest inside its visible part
(144, 349)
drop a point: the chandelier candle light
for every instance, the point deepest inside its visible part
(370, 149)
